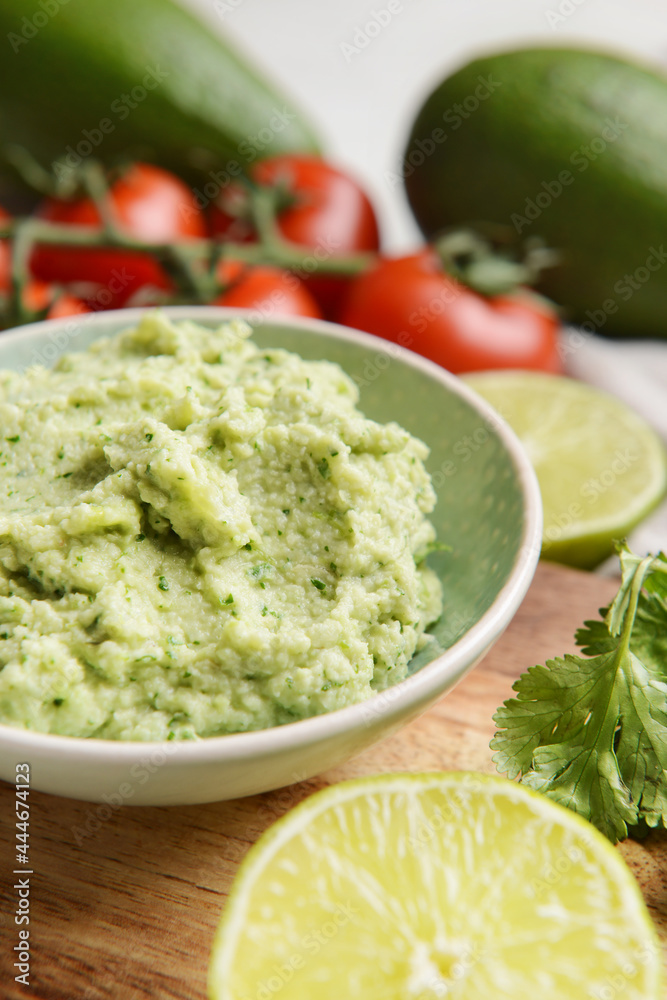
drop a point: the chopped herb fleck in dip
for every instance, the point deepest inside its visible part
(224, 552)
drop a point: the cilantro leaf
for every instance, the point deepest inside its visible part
(566, 715)
(649, 638)
(642, 743)
(591, 731)
(594, 637)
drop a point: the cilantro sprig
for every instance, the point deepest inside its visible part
(591, 731)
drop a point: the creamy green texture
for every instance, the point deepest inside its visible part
(200, 537)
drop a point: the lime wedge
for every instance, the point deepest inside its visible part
(600, 466)
(423, 886)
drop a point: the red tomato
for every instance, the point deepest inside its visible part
(269, 290)
(67, 305)
(44, 297)
(411, 301)
(325, 210)
(149, 204)
(37, 295)
(5, 258)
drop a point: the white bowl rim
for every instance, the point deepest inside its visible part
(420, 687)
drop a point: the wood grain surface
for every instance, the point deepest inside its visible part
(125, 905)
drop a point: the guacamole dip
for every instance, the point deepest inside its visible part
(200, 537)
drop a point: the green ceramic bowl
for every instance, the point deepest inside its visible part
(488, 510)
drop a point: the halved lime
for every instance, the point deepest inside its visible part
(600, 466)
(423, 886)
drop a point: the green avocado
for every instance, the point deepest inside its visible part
(564, 144)
(135, 78)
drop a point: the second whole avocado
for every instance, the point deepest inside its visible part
(568, 145)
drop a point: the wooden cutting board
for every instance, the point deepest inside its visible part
(130, 912)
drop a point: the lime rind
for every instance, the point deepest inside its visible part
(600, 466)
(464, 794)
